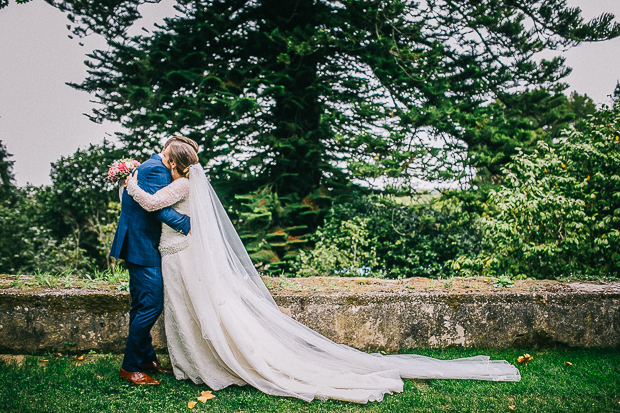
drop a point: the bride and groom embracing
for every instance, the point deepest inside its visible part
(222, 325)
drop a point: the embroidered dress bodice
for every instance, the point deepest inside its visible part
(176, 195)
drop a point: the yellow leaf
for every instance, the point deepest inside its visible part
(206, 395)
(81, 358)
(563, 166)
(513, 408)
(618, 139)
(588, 178)
(202, 399)
(568, 363)
(546, 170)
(191, 404)
(524, 358)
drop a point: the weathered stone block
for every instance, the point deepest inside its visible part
(68, 320)
(82, 320)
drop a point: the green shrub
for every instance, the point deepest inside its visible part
(28, 246)
(558, 209)
(82, 201)
(394, 237)
(67, 226)
(350, 251)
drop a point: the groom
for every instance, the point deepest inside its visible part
(136, 241)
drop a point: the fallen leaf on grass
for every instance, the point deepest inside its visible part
(513, 408)
(81, 358)
(524, 358)
(191, 404)
(568, 363)
(59, 354)
(44, 361)
(206, 395)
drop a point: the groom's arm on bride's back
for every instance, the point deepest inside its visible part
(174, 220)
(157, 178)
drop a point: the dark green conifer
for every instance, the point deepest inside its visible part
(7, 177)
(295, 102)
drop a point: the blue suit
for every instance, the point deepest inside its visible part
(136, 241)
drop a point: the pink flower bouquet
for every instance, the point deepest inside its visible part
(119, 170)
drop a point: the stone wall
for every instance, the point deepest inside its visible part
(82, 320)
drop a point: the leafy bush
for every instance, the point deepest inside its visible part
(68, 226)
(558, 210)
(395, 238)
(81, 201)
(350, 251)
(27, 245)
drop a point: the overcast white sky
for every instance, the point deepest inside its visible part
(42, 119)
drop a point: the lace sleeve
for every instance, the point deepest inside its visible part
(165, 197)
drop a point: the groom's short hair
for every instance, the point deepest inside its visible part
(183, 139)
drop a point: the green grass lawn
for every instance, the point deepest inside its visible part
(64, 384)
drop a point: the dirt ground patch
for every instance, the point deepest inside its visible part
(356, 285)
(461, 285)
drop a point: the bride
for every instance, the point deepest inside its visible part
(223, 327)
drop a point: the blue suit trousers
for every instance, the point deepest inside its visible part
(147, 302)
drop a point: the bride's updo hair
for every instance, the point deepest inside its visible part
(183, 155)
(188, 141)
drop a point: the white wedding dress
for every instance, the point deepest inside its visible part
(223, 327)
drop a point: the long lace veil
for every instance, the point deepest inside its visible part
(262, 346)
(207, 210)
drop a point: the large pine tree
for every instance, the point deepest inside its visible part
(296, 101)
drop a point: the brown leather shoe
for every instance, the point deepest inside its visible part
(138, 378)
(154, 367)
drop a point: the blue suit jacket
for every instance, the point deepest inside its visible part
(140, 230)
